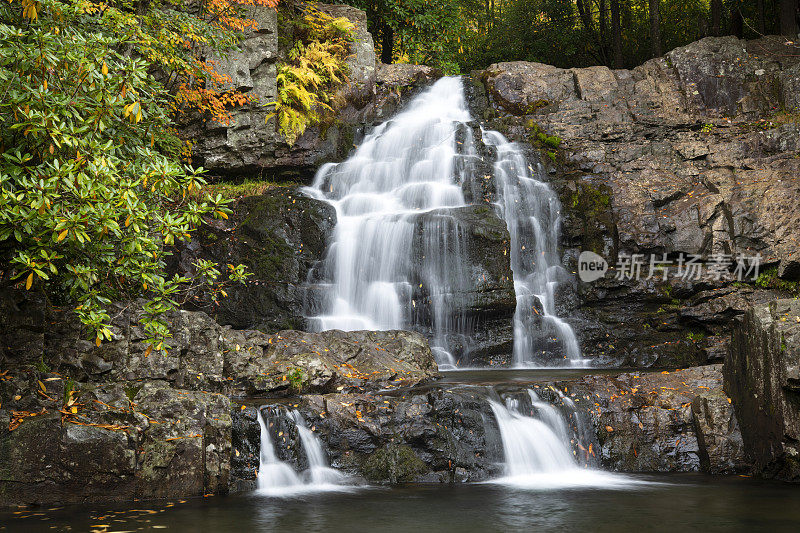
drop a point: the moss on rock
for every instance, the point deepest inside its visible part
(394, 463)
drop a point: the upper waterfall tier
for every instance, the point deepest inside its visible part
(401, 255)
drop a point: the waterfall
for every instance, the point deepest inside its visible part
(533, 216)
(398, 257)
(538, 451)
(278, 478)
(407, 167)
(318, 473)
(273, 474)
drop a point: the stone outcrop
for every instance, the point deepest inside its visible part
(762, 377)
(116, 422)
(678, 421)
(279, 235)
(250, 143)
(691, 153)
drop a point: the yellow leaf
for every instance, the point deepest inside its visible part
(44, 85)
(98, 341)
(62, 235)
(74, 410)
(128, 221)
(41, 386)
(221, 214)
(29, 282)
(149, 349)
(105, 69)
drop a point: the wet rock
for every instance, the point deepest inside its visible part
(419, 435)
(479, 279)
(762, 377)
(279, 235)
(678, 421)
(250, 142)
(398, 83)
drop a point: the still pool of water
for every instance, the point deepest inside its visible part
(656, 503)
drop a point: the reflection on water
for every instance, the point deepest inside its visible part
(673, 503)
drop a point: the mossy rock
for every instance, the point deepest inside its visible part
(394, 463)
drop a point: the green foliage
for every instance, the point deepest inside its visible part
(769, 280)
(475, 33)
(92, 190)
(297, 379)
(314, 70)
(696, 336)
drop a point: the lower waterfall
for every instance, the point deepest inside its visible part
(278, 478)
(538, 450)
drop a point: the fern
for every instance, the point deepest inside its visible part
(315, 69)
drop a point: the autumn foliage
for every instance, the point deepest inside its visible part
(93, 189)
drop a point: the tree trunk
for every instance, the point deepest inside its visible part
(737, 22)
(616, 34)
(716, 18)
(603, 23)
(387, 44)
(787, 16)
(655, 27)
(586, 19)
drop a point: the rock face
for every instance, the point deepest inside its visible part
(249, 143)
(691, 153)
(396, 84)
(762, 376)
(484, 292)
(154, 424)
(279, 235)
(677, 421)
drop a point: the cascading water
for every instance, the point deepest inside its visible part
(407, 167)
(538, 451)
(278, 478)
(533, 216)
(318, 473)
(398, 258)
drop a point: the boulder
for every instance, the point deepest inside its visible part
(290, 362)
(279, 235)
(762, 377)
(678, 421)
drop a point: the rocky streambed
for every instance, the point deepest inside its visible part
(185, 423)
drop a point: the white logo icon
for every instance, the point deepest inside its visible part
(591, 266)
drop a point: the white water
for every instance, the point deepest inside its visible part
(533, 216)
(537, 450)
(319, 473)
(406, 167)
(278, 478)
(389, 267)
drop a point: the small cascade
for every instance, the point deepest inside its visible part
(319, 472)
(533, 216)
(538, 449)
(273, 474)
(278, 478)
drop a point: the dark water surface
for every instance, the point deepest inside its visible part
(671, 503)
